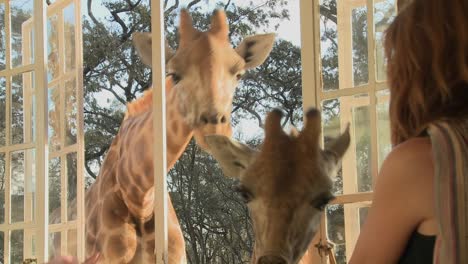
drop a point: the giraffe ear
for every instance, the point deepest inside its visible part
(339, 145)
(255, 49)
(143, 44)
(335, 152)
(233, 156)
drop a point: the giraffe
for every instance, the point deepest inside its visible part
(202, 75)
(286, 185)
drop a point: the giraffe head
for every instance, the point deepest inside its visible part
(205, 70)
(286, 184)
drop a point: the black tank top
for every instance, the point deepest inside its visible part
(419, 250)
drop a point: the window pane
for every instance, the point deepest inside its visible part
(329, 44)
(355, 175)
(2, 111)
(360, 53)
(22, 108)
(384, 13)
(331, 129)
(2, 189)
(343, 226)
(17, 186)
(54, 119)
(33, 244)
(71, 112)
(52, 48)
(69, 24)
(72, 185)
(17, 110)
(363, 211)
(362, 138)
(55, 242)
(21, 32)
(2, 40)
(22, 184)
(2, 248)
(16, 246)
(336, 230)
(383, 125)
(54, 191)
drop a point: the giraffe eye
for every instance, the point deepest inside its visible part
(176, 78)
(239, 76)
(245, 194)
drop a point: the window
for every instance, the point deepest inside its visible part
(350, 88)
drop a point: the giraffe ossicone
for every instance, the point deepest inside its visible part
(286, 184)
(202, 75)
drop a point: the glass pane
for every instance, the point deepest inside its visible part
(17, 186)
(343, 227)
(2, 40)
(383, 125)
(17, 110)
(54, 119)
(33, 244)
(72, 242)
(363, 211)
(331, 129)
(355, 175)
(360, 53)
(2, 189)
(72, 185)
(361, 120)
(55, 242)
(71, 112)
(21, 32)
(52, 48)
(54, 191)
(329, 44)
(2, 249)
(22, 185)
(384, 13)
(22, 111)
(69, 29)
(336, 230)
(16, 246)
(2, 111)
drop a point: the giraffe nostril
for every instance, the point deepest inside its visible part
(223, 119)
(204, 119)
(212, 119)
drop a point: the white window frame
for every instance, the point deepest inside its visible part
(159, 133)
(313, 96)
(38, 230)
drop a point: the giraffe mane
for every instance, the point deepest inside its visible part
(145, 103)
(140, 105)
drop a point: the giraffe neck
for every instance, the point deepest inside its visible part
(135, 172)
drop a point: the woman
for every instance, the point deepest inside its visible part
(427, 52)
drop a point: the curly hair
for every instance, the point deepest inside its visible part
(426, 47)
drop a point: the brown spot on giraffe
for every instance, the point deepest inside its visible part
(286, 185)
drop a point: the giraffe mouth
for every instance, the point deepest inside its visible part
(208, 129)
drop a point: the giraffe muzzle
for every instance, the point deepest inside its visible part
(213, 118)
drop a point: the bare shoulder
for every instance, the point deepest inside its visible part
(402, 200)
(408, 172)
(410, 158)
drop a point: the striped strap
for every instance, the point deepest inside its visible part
(450, 150)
